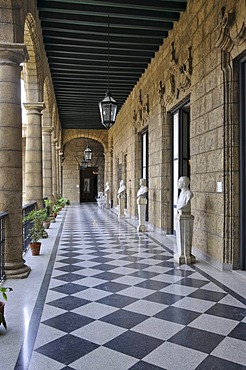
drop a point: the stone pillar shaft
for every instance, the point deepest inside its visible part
(33, 167)
(11, 55)
(54, 169)
(47, 162)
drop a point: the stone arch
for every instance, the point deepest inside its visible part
(47, 116)
(98, 135)
(32, 70)
(55, 122)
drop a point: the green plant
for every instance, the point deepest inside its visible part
(37, 217)
(56, 208)
(3, 291)
(62, 201)
(48, 206)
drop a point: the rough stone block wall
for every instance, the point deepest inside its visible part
(187, 66)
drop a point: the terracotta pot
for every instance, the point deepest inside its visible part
(35, 248)
(46, 224)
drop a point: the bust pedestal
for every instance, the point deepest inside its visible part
(107, 199)
(142, 202)
(121, 206)
(184, 232)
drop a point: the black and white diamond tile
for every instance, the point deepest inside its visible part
(118, 301)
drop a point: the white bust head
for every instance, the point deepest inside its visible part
(107, 186)
(143, 190)
(122, 188)
(183, 203)
(183, 182)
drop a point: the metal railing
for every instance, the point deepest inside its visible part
(25, 234)
(3, 216)
(27, 225)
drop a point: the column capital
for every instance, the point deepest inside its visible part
(47, 129)
(34, 108)
(13, 53)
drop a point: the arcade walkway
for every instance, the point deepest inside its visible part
(102, 297)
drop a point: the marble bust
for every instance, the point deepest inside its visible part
(143, 190)
(106, 187)
(183, 204)
(121, 190)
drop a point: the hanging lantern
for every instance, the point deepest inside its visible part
(108, 109)
(108, 106)
(88, 154)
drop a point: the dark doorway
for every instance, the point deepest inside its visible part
(180, 152)
(145, 163)
(242, 86)
(88, 184)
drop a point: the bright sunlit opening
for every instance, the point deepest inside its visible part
(23, 100)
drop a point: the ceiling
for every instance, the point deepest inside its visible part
(91, 44)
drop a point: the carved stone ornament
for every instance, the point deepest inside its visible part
(185, 72)
(161, 92)
(229, 34)
(141, 115)
(179, 77)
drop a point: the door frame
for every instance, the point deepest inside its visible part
(181, 171)
(242, 183)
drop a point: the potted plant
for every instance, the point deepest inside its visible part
(48, 206)
(56, 209)
(3, 291)
(62, 202)
(37, 231)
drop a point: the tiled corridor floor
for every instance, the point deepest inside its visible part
(113, 299)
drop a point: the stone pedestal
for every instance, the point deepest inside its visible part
(184, 233)
(142, 202)
(121, 207)
(11, 55)
(107, 199)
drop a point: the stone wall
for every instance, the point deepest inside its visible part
(190, 64)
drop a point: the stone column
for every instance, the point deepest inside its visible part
(11, 55)
(107, 174)
(54, 169)
(33, 167)
(58, 161)
(47, 161)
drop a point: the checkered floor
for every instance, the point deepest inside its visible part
(116, 300)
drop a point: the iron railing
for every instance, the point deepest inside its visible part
(27, 225)
(3, 216)
(25, 234)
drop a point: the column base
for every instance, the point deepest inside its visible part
(181, 259)
(17, 271)
(141, 228)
